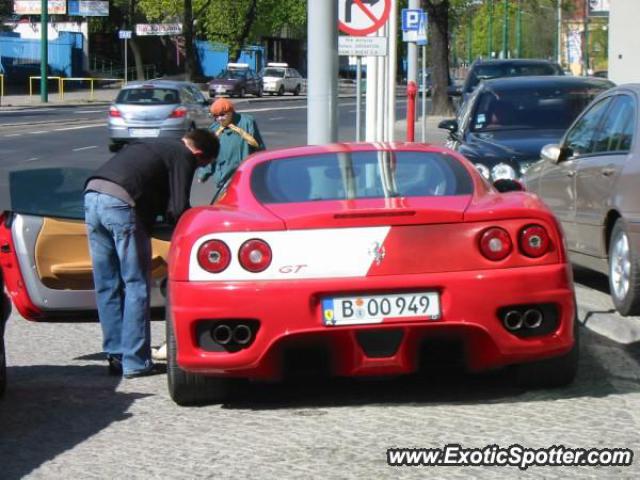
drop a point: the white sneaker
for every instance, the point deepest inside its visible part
(159, 353)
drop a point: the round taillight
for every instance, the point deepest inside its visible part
(255, 255)
(534, 241)
(214, 256)
(495, 243)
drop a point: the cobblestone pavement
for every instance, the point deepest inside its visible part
(64, 417)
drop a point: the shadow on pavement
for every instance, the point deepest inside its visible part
(446, 385)
(589, 278)
(50, 409)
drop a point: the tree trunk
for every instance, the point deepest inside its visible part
(241, 39)
(133, 43)
(189, 50)
(439, 23)
(137, 57)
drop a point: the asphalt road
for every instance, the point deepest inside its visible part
(63, 417)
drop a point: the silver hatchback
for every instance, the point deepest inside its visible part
(156, 108)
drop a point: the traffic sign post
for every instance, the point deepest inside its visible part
(125, 35)
(359, 18)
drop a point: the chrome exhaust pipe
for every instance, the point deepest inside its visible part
(222, 334)
(532, 318)
(513, 320)
(242, 334)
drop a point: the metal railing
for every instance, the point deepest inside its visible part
(107, 66)
(91, 81)
(48, 78)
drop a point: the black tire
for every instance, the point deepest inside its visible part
(242, 93)
(297, 90)
(115, 147)
(624, 271)
(281, 90)
(3, 360)
(187, 388)
(259, 94)
(551, 372)
(5, 310)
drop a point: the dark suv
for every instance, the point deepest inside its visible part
(487, 69)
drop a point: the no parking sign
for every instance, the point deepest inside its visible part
(362, 17)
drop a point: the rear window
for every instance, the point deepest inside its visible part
(148, 96)
(274, 72)
(485, 72)
(375, 174)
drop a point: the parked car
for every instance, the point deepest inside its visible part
(590, 180)
(236, 81)
(487, 69)
(505, 122)
(280, 78)
(355, 255)
(156, 108)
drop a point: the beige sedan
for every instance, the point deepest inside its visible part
(591, 181)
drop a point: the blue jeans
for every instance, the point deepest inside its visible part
(121, 256)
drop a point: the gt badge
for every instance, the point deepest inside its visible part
(377, 252)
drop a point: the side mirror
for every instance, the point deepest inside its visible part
(551, 153)
(454, 90)
(450, 124)
(508, 185)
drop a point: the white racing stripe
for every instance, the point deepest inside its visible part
(298, 254)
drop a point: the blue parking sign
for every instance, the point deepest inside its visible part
(411, 18)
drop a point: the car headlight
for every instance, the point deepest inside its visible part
(503, 171)
(484, 170)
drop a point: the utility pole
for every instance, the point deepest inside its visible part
(490, 31)
(505, 29)
(558, 42)
(585, 48)
(469, 38)
(44, 50)
(322, 34)
(519, 30)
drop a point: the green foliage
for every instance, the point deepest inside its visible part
(537, 34)
(227, 21)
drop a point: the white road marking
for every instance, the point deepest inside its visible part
(13, 135)
(277, 118)
(90, 111)
(84, 148)
(39, 132)
(32, 159)
(30, 110)
(80, 127)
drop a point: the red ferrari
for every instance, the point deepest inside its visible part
(357, 255)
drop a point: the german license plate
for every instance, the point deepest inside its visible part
(144, 132)
(359, 310)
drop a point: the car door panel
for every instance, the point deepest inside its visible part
(557, 188)
(55, 266)
(597, 175)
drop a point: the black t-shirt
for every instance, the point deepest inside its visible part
(157, 175)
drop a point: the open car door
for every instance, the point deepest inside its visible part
(44, 251)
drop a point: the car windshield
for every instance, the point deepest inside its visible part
(148, 96)
(233, 74)
(532, 108)
(354, 175)
(485, 72)
(50, 191)
(274, 72)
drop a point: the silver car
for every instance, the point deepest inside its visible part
(590, 181)
(156, 108)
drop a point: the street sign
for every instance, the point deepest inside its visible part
(88, 8)
(146, 29)
(417, 31)
(411, 18)
(124, 34)
(362, 17)
(362, 46)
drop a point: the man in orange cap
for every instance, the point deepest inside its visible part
(239, 137)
